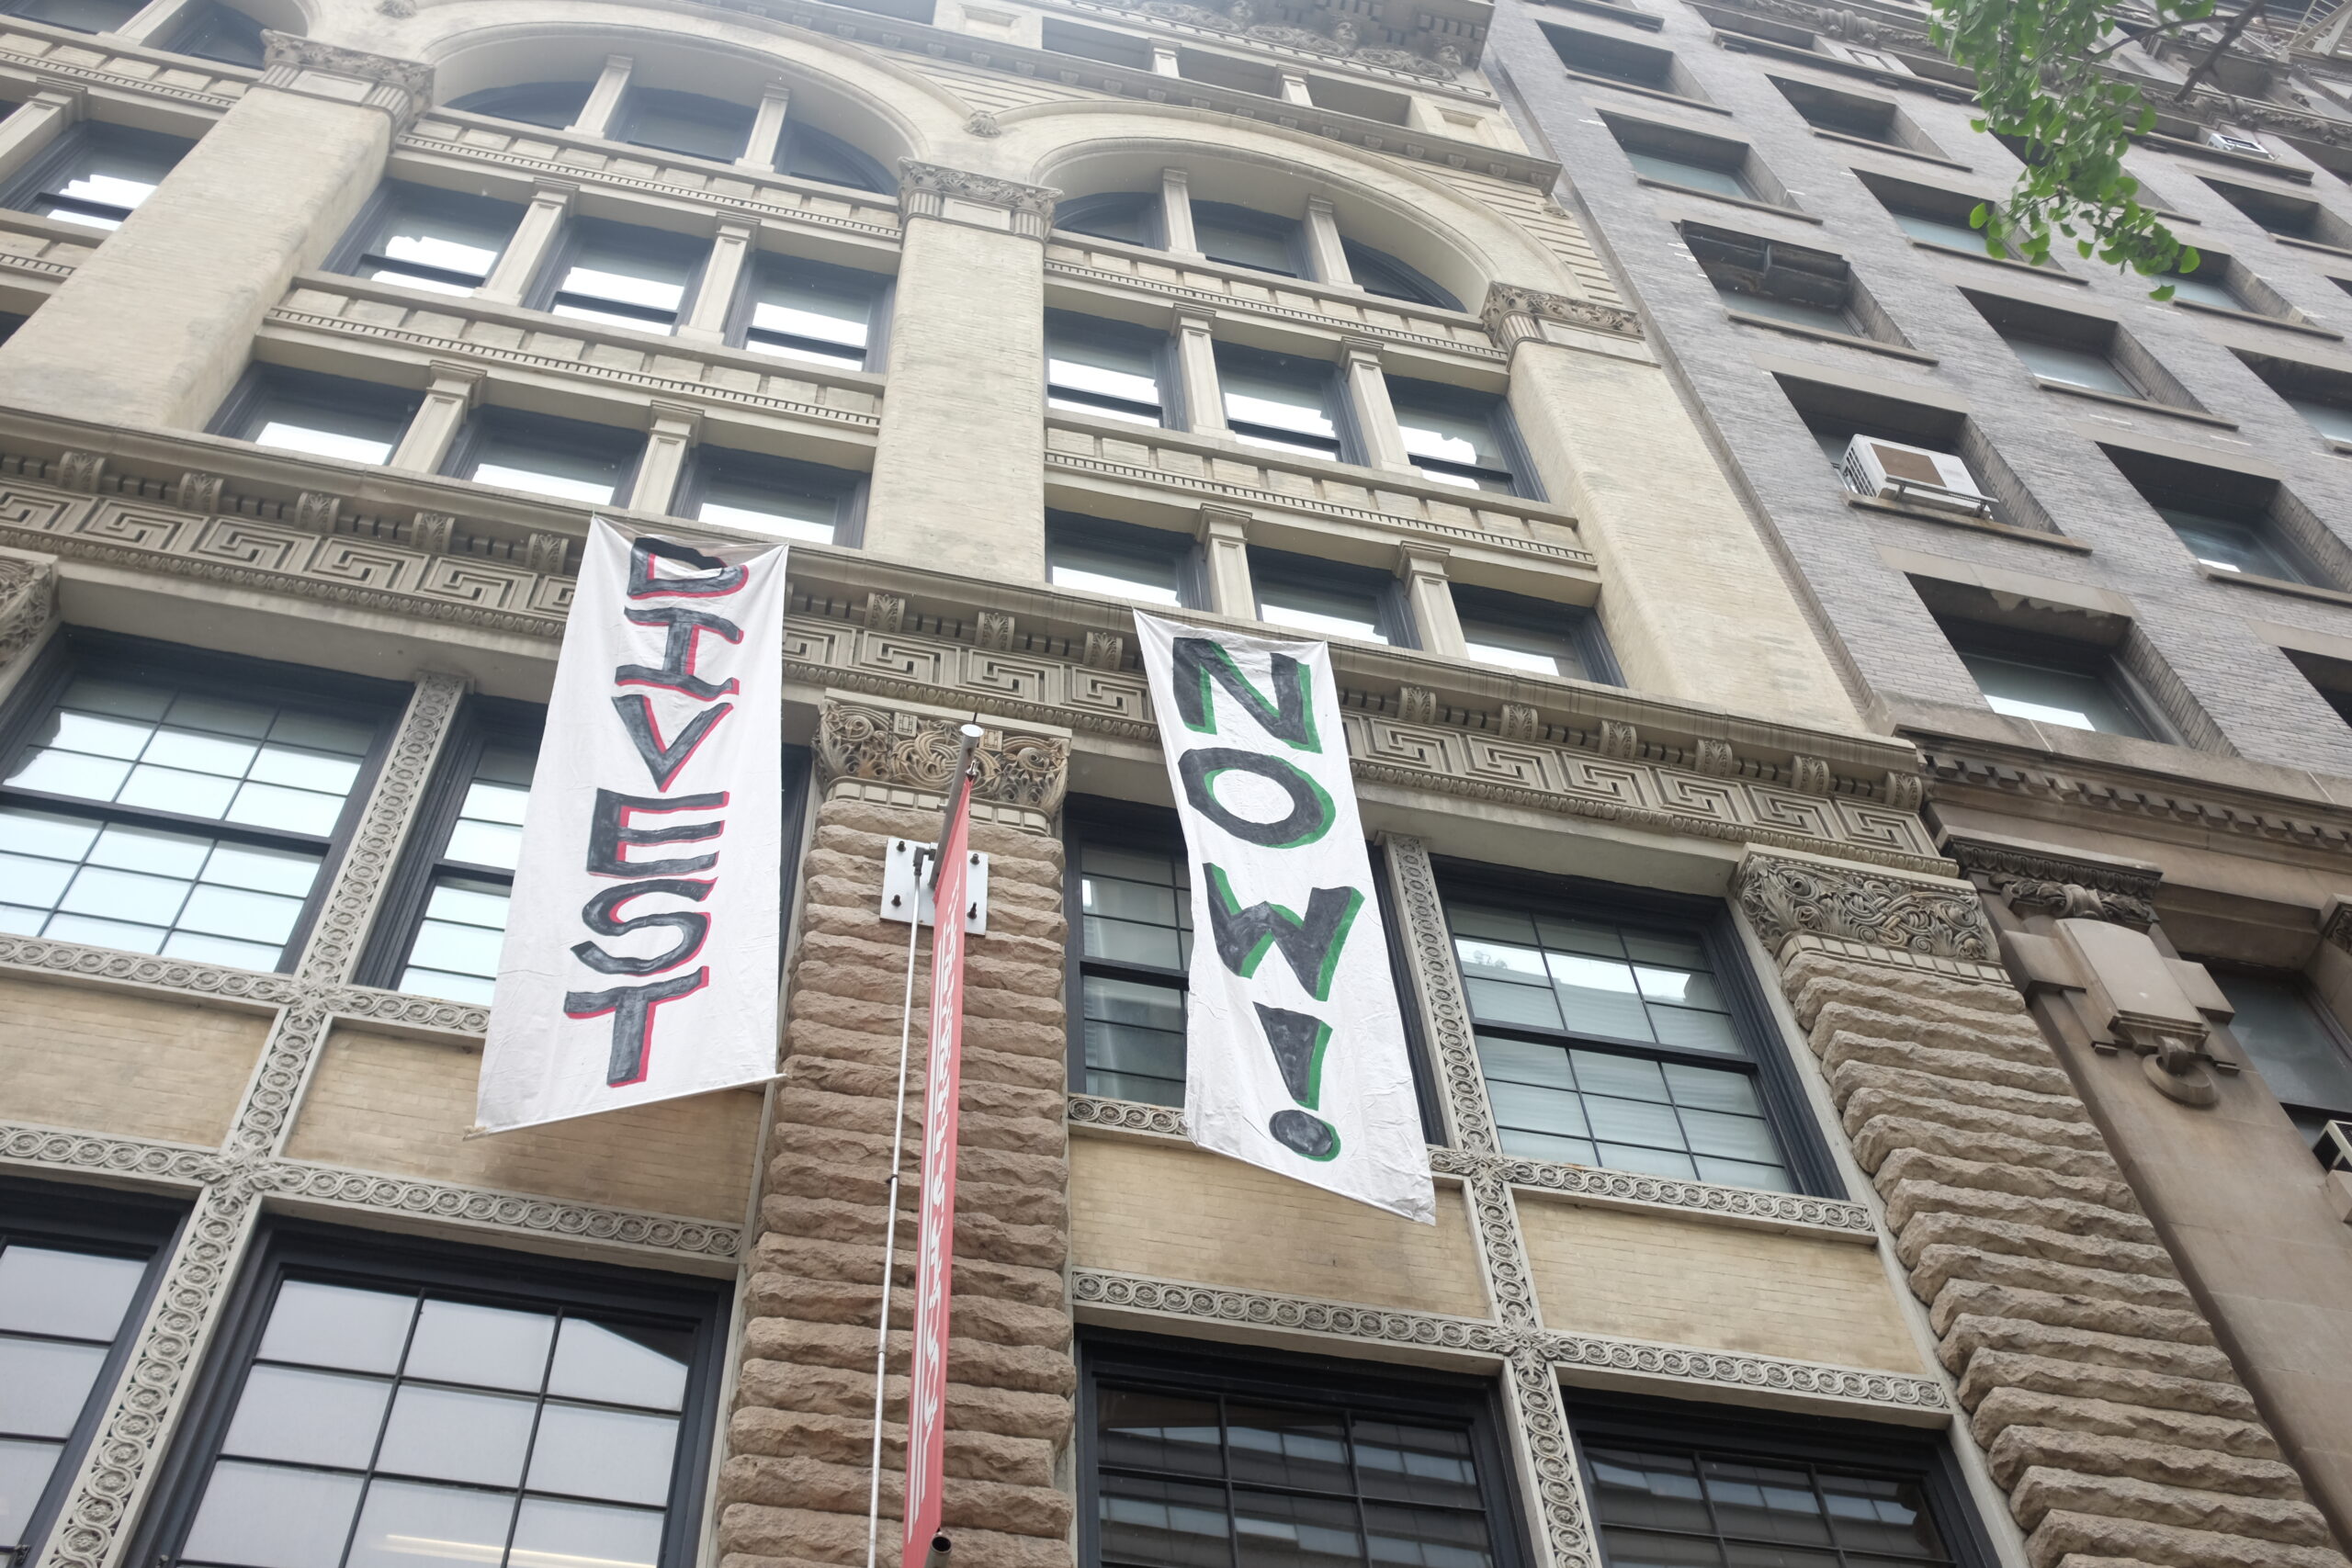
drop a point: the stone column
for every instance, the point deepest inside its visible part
(966, 376)
(1323, 246)
(1697, 606)
(603, 98)
(438, 418)
(1375, 416)
(535, 236)
(154, 328)
(794, 1489)
(1430, 596)
(669, 437)
(1176, 212)
(767, 128)
(722, 275)
(1225, 546)
(2119, 1430)
(37, 122)
(1196, 371)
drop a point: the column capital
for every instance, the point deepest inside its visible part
(1223, 523)
(907, 753)
(2040, 879)
(455, 380)
(1195, 319)
(683, 421)
(1514, 314)
(28, 602)
(1788, 895)
(72, 98)
(982, 201)
(1356, 350)
(557, 193)
(1418, 558)
(402, 88)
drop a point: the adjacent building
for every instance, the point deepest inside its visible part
(1772, 1225)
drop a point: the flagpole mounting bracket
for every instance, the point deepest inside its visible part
(907, 886)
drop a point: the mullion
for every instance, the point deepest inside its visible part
(367, 1482)
(447, 275)
(531, 1444)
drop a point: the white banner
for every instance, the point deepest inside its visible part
(642, 942)
(1295, 1051)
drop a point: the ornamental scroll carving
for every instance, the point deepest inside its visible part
(925, 190)
(2041, 882)
(28, 603)
(917, 752)
(1786, 898)
(1512, 315)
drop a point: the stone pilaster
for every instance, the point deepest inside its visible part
(2120, 1431)
(794, 1488)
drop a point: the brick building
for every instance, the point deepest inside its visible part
(1769, 1227)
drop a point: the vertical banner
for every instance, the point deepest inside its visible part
(935, 1258)
(1295, 1051)
(642, 940)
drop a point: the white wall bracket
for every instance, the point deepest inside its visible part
(907, 893)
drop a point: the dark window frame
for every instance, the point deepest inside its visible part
(1121, 824)
(1198, 1368)
(20, 8)
(872, 176)
(1598, 1417)
(1147, 543)
(33, 184)
(1772, 1067)
(91, 1220)
(1409, 282)
(1580, 622)
(323, 387)
(1990, 640)
(548, 291)
(848, 486)
(75, 651)
(2300, 983)
(372, 1261)
(1495, 409)
(492, 103)
(1147, 205)
(1346, 439)
(213, 27)
(465, 450)
(1746, 265)
(884, 296)
(1392, 610)
(1291, 232)
(684, 105)
(1159, 344)
(360, 245)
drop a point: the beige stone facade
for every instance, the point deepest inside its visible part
(1912, 1250)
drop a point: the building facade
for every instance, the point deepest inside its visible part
(2086, 549)
(1770, 1229)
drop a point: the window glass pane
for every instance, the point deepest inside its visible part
(1094, 368)
(1457, 430)
(1876, 1513)
(1942, 232)
(1139, 1431)
(109, 172)
(458, 940)
(1795, 311)
(25, 1469)
(446, 1435)
(1137, 908)
(812, 155)
(1274, 1530)
(335, 1326)
(73, 1295)
(494, 1347)
(1696, 177)
(621, 1364)
(358, 432)
(442, 240)
(544, 462)
(808, 313)
(1416, 1465)
(2047, 694)
(2205, 287)
(2292, 1046)
(1332, 611)
(2331, 420)
(691, 123)
(1425, 1537)
(260, 1516)
(1655, 1490)
(1244, 239)
(2229, 545)
(607, 1454)
(1163, 1524)
(1130, 574)
(1764, 1502)
(2074, 367)
(82, 15)
(406, 1525)
(1134, 1039)
(1524, 648)
(308, 1417)
(551, 1534)
(43, 1385)
(554, 104)
(1279, 1447)
(745, 491)
(1280, 395)
(1119, 216)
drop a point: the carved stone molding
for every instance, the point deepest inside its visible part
(28, 604)
(1514, 315)
(917, 751)
(1786, 897)
(2335, 922)
(985, 201)
(402, 88)
(2038, 879)
(1127, 1116)
(1437, 982)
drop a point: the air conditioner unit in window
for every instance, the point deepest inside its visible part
(2225, 142)
(1911, 476)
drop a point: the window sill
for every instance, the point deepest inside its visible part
(1817, 335)
(1973, 525)
(2313, 245)
(1624, 14)
(1660, 93)
(2275, 585)
(2246, 161)
(2053, 273)
(1866, 143)
(2143, 405)
(2258, 319)
(1748, 202)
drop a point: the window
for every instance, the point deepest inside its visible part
(1852, 115)
(1535, 635)
(97, 175)
(1377, 272)
(1238, 237)
(1460, 437)
(623, 274)
(553, 105)
(2237, 522)
(2048, 682)
(1616, 59)
(220, 32)
(1132, 216)
(1780, 282)
(1329, 598)
(1194, 1462)
(567, 458)
(1092, 43)
(2293, 1042)
(2293, 217)
(1281, 400)
(692, 123)
(1931, 216)
(445, 915)
(1150, 566)
(2209, 285)
(81, 16)
(77, 1268)
(1954, 467)
(1613, 1041)
(322, 416)
(813, 154)
(1110, 369)
(1135, 948)
(2323, 397)
(1684, 159)
(444, 241)
(762, 494)
(1688, 1484)
(386, 1402)
(2237, 544)
(810, 311)
(158, 799)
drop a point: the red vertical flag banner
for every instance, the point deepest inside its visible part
(927, 1380)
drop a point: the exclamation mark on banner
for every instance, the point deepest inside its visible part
(1298, 1042)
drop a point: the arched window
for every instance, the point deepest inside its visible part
(1130, 216)
(220, 32)
(554, 104)
(1377, 272)
(82, 15)
(692, 123)
(814, 154)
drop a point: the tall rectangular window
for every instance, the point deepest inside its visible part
(1281, 400)
(2050, 680)
(568, 459)
(1150, 566)
(77, 1268)
(1544, 639)
(623, 274)
(160, 800)
(322, 416)
(385, 1403)
(810, 311)
(1611, 1040)
(1111, 369)
(1457, 436)
(2295, 1042)
(97, 173)
(444, 241)
(1329, 598)
(1134, 945)
(1241, 237)
(1205, 1460)
(764, 494)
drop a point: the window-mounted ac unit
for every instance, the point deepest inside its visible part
(1911, 476)
(2225, 142)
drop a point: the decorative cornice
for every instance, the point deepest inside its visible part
(1785, 897)
(402, 88)
(1514, 315)
(2046, 880)
(984, 201)
(917, 751)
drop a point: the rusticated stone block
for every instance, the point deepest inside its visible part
(1961, 1297)
(1969, 1334)
(1846, 1045)
(2005, 1407)
(1921, 1165)
(2064, 1532)
(1933, 1106)
(2041, 1490)
(1990, 1370)
(1927, 1230)
(2021, 1449)
(1853, 1076)
(1907, 1201)
(1876, 1140)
